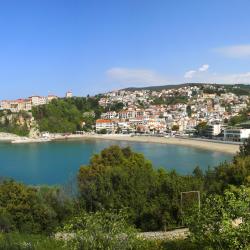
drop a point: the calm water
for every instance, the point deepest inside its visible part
(58, 162)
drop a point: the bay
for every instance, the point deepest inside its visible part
(58, 162)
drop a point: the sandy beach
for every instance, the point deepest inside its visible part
(8, 137)
(202, 144)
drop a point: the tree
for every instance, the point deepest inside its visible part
(67, 114)
(175, 128)
(197, 172)
(245, 149)
(28, 209)
(223, 221)
(120, 178)
(189, 110)
(102, 131)
(201, 128)
(116, 106)
(234, 173)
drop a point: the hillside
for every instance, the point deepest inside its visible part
(237, 88)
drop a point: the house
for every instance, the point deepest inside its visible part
(69, 94)
(38, 100)
(213, 130)
(106, 124)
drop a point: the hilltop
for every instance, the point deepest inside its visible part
(244, 88)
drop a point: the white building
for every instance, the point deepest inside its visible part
(213, 130)
(236, 134)
(109, 115)
(69, 94)
(105, 124)
(38, 100)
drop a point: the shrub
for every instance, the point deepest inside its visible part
(101, 230)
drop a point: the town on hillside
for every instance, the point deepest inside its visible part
(197, 110)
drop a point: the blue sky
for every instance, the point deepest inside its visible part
(91, 46)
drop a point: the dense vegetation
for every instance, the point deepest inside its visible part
(238, 89)
(68, 114)
(120, 192)
(119, 178)
(240, 118)
(10, 123)
(170, 100)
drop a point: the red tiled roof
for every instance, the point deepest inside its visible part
(103, 121)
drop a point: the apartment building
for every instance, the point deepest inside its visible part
(107, 124)
(236, 134)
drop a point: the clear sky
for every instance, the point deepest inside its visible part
(90, 46)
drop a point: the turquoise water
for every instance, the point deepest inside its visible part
(58, 162)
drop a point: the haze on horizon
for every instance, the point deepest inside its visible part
(51, 46)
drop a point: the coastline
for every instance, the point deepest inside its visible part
(7, 137)
(201, 144)
(210, 145)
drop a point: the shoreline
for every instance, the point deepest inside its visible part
(229, 148)
(195, 143)
(7, 137)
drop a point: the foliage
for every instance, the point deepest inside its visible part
(102, 131)
(116, 106)
(214, 90)
(233, 173)
(10, 122)
(119, 178)
(175, 128)
(17, 241)
(57, 116)
(240, 118)
(215, 225)
(29, 210)
(238, 89)
(67, 115)
(180, 244)
(14, 129)
(189, 111)
(170, 100)
(101, 230)
(201, 128)
(244, 149)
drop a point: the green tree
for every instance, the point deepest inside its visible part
(28, 209)
(189, 110)
(215, 225)
(201, 128)
(118, 178)
(245, 149)
(235, 173)
(175, 128)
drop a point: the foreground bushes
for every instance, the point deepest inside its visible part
(223, 221)
(102, 230)
(29, 209)
(17, 241)
(119, 178)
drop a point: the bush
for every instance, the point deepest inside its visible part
(119, 178)
(16, 241)
(101, 230)
(215, 225)
(30, 209)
